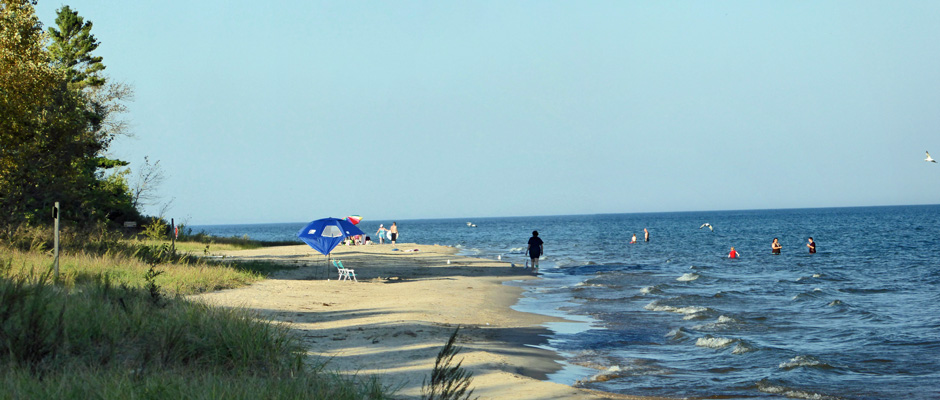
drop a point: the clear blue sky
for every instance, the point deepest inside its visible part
(288, 111)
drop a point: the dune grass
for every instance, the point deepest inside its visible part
(101, 340)
(182, 275)
(115, 325)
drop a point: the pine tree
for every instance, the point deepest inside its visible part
(71, 48)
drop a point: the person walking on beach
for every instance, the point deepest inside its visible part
(733, 253)
(811, 245)
(381, 233)
(535, 250)
(394, 231)
(646, 235)
(775, 247)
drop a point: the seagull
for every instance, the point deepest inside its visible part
(929, 159)
(708, 225)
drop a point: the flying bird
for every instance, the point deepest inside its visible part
(929, 159)
(708, 225)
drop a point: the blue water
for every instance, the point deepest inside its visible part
(675, 317)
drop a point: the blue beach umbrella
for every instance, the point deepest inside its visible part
(324, 234)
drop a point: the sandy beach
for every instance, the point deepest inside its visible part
(403, 309)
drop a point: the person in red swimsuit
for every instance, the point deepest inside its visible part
(733, 253)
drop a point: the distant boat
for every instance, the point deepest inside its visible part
(471, 224)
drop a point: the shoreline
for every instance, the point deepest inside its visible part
(392, 323)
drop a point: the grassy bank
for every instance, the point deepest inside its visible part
(114, 325)
(100, 340)
(181, 275)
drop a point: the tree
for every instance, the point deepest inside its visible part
(54, 123)
(149, 178)
(72, 44)
(27, 87)
(71, 47)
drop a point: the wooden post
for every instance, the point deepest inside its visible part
(55, 216)
(172, 237)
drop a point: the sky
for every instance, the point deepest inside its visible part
(288, 111)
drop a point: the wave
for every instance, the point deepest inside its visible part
(688, 310)
(651, 290)
(743, 347)
(767, 387)
(696, 315)
(688, 277)
(714, 342)
(613, 372)
(815, 293)
(609, 368)
(722, 323)
(678, 334)
(726, 320)
(587, 284)
(804, 361)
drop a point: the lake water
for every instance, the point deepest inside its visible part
(675, 317)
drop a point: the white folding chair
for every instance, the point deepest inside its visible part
(350, 273)
(340, 270)
(344, 273)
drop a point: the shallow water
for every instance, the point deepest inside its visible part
(675, 317)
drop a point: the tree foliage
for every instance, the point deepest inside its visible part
(56, 122)
(72, 44)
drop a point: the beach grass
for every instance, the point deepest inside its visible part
(182, 275)
(99, 339)
(116, 324)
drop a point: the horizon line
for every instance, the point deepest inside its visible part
(586, 214)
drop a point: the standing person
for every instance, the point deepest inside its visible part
(535, 250)
(633, 240)
(646, 235)
(733, 253)
(811, 245)
(394, 231)
(381, 233)
(775, 247)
